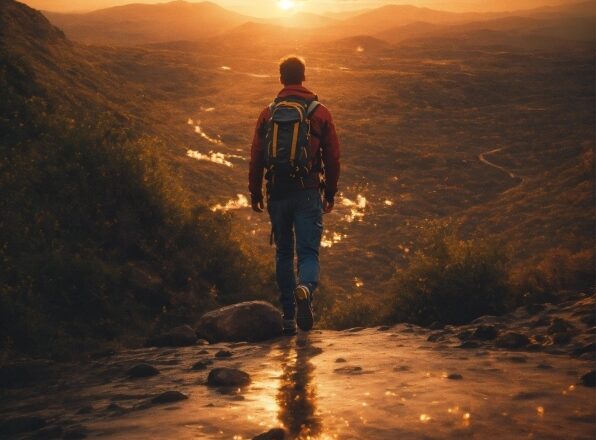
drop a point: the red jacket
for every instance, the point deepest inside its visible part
(323, 137)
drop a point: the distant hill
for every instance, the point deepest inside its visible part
(148, 23)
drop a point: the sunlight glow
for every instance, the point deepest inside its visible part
(286, 5)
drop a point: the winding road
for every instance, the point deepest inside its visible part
(482, 158)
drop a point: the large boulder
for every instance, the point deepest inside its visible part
(250, 321)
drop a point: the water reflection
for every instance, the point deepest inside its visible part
(296, 396)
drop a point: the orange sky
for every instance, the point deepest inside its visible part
(268, 8)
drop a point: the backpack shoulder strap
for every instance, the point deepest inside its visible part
(311, 108)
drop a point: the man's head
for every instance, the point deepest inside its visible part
(291, 70)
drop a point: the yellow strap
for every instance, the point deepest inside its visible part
(294, 141)
(274, 147)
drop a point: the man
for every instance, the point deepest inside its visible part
(296, 147)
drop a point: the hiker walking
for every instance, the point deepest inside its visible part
(296, 148)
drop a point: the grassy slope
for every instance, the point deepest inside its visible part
(98, 239)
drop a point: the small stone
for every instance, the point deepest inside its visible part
(485, 332)
(49, 433)
(469, 344)
(384, 328)
(114, 407)
(169, 397)
(355, 329)
(76, 433)
(227, 377)
(512, 340)
(455, 376)
(544, 366)
(517, 359)
(561, 338)
(202, 342)
(589, 348)
(401, 368)
(464, 335)
(559, 325)
(222, 354)
(142, 370)
(272, 434)
(202, 365)
(87, 409)
(349, 370)
(21, 424)
(542, 321)
(340, 360)
(589, 379)
(434, 337)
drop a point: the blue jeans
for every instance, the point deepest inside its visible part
(298, 214)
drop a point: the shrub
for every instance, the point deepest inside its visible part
(449, 280)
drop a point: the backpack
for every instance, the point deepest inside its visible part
(287, 140)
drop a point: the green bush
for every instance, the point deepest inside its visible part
(97, 238)
(449, 280)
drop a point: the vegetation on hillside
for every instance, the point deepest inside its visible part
(97, 239)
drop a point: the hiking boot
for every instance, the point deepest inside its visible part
(304, 316)
(289, 327)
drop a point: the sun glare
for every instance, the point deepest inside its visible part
(286, 5)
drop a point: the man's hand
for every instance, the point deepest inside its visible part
(328, 206)
(258, 206)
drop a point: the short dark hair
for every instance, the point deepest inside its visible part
(291, 69)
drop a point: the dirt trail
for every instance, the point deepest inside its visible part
(376, 383)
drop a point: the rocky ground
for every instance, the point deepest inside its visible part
(529, 374)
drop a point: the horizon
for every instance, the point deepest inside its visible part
(280, 8)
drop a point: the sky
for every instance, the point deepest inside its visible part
(270, 8)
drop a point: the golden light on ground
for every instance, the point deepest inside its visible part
(286, 5)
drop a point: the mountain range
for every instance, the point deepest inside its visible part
(135, 24)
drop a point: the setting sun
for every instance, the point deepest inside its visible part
(286, 5)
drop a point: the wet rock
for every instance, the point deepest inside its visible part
(202, 365)
(115, 408)
(542, 321)
(181, 336)
(464, 335)
(559, 325)
(355, 329)
(485, 332)
(469, 344)
(589, 379)
(251, 321)
(588, 348)
(455, 376)
(272, 434)
(169, 397)
(49, 433)
(142, 370)
(227, 377)
(340, 360)
(349, 370)
(18, 425)
(561, 338)
(75, 433)
(486, 319)
(222, 354)
(25, 372)
(434, 337)
(512, 340)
